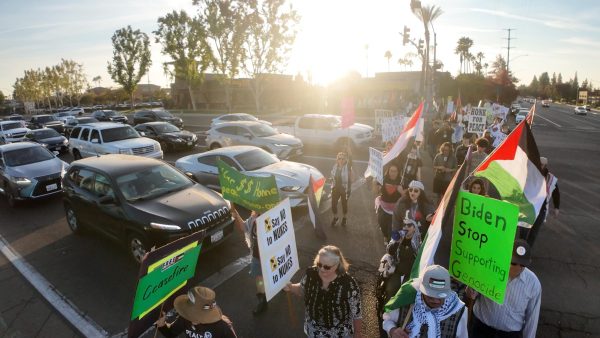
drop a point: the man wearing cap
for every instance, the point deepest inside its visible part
(518, 315)
(437, 311)
(198, 316)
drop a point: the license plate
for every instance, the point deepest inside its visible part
(189, 143)
(51, 187)
(217, 236)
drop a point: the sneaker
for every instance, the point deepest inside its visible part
(333, 221)
(344, 221)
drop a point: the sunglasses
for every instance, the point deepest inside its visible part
(325, 267)
(413, 190)
(514, 264)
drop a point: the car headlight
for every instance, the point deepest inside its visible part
(65, 142)
(281, 145)
(291, 188)
(168, 227)
(21, 180)
(157, 147)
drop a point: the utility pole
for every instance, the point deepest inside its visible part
(508, 48)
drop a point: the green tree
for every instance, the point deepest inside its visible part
(131, 59)
(271, 35)
(75, 80)
(97, 79)
(226, 24)
(575, 89)
(2, 98)
(427, 15)
(183, 39)
(462, 50)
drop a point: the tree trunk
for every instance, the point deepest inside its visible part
(257, 91)
(229, 95)
(191, 92)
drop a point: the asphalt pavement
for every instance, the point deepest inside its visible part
(96, 278)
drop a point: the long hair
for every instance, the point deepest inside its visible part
(481, 184)
(335, 254)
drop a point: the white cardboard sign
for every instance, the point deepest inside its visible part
(477, 120)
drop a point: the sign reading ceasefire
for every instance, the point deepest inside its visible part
(253, 193)
(277, 247)
(482, 243)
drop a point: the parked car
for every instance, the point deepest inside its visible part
(292, 178)
(142, 203)
(587, 107)
(169, 136)
(514, 108)
(100, 138)
(521, 115)
(75, 122)
(29, 171)
(326, 130)
(75, 111)
(580, 111)
(156, 115)
(255, 134)
(109, 116)
(64, 116)
(12, 131)
(46, 121)
(50, 139)
(237, 117)
(14, 117)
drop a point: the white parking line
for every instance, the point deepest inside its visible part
(85, 325)
(554, 123)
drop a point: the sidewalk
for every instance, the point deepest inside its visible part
(23, 311)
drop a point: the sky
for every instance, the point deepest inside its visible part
(334, 36)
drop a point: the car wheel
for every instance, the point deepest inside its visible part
(72, 220)
(214, 146)
(76, 155)
(164, 146)
(137, 246)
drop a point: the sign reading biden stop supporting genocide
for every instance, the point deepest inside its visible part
(277, 247)
(482, 243)
(253, 193)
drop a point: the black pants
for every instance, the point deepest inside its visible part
(480, 330)
(385, 223)
(336, 194)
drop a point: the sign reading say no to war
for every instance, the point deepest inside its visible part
(277, 247)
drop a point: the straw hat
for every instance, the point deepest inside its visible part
(198, 306)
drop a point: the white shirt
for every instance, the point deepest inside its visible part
(390, 321)
(521, 307)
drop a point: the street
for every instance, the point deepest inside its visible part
(97, 277)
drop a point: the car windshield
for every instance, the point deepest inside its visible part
(262, 130)
(152, 182)
(255, 159)
(116, 134)
(246, 117)
(110, 113)
(14, 125)
(163, 113)
(23, 156)
(46, 133)
(165, 128)
(47, 118)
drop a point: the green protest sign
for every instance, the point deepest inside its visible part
(164, 278)
(253, 193)
(482, 242)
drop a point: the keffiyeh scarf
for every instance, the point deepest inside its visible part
(423, 315)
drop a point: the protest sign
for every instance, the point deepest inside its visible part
(477, 120)
(482, 243)
(391, 128)
(253, 193)
(450, 107)
(379, 115)
(375, 167)
(164, 273)
(277, 247)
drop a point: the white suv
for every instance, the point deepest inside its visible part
(94, 139)
(12, 131)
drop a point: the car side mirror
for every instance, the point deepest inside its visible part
(107, 199)
(95, 140)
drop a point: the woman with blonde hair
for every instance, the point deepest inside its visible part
(331, 296)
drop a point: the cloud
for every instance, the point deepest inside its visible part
(548, 20)
(582, 42)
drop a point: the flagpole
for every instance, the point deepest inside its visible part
(407, 319)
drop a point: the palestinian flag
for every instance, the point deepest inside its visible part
(314, 200)
(531, 114)
(515, 171)
(407, 136)
(436, 246)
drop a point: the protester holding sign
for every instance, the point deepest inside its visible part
(198, 315)
(248, 228)
(437, 311)
(341, 176)
(518, 315)
(389, 194)
(414, 206)
(444, 165)
(332, 297)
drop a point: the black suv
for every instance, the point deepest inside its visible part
(109, 116)
(46, 121)
(156, 115)
(142, 202)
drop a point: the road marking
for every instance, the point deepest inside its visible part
(85, 325)
(333, 159)
(554, 123)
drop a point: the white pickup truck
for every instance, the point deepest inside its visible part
(318, 129)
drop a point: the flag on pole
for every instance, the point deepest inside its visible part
(407, 136)
(457, 108)
(531, 114)
(347, 111)
(514, 169)
(436, 246)
(314, 199)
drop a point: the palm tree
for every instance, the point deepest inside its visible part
(388, 56)
(462, 50)
(478, 64)
(427, 14)
(97, 79)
